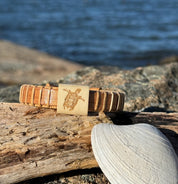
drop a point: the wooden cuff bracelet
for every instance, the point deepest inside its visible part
(47, 96)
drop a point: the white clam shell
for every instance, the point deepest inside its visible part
(134, 154)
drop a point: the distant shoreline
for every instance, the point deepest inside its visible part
(19, 64)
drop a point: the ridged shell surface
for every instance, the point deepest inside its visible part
(134, 154)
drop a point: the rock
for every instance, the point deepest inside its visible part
(10, 93)
(19, 64)
(146, 88)
(151, 88)
(171, 59)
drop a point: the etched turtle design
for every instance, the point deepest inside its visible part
(71, 99)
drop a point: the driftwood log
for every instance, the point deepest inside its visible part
(37, 142)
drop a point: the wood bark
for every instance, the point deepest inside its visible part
(37, 142)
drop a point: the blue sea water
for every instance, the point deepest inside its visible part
(125, 33)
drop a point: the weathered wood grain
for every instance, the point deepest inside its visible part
(38, 142)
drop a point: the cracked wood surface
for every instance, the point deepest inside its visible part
(37, 142)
